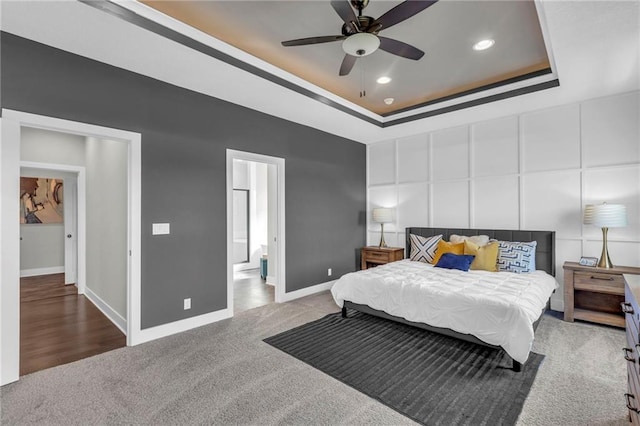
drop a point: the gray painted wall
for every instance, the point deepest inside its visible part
(107, 212)
(184, 140)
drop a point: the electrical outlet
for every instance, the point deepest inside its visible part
(329, 272)
(187, 303)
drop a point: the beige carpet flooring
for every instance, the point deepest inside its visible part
(224, 374)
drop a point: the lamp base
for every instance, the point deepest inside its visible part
(382, 244)
(605, 260)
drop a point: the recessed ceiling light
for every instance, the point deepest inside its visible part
(383, 80)
(388, 101)
(484, 44)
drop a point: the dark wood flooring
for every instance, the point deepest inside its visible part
(250, 291)
(58, 326)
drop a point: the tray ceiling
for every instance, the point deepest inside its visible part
(446, 32)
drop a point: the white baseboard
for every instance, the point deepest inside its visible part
(271, 280)
(164, 330)
(153, 333)
(107, 310)
(308, 291)
(41, 271)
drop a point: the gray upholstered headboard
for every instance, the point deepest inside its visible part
(545, 250)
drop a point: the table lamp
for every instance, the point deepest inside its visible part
(382, 216)
(605, 216)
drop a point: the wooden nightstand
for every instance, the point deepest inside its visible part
(373, 255)
(594, 294)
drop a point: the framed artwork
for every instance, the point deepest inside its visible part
(41, 200)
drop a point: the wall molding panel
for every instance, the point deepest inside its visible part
(535, 170)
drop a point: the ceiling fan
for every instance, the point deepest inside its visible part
(360, 33)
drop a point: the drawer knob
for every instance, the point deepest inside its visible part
(626, 307)
(629, 398)
(626, 351)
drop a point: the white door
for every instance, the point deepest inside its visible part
(70, 230)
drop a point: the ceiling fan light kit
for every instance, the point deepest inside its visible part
(361, 44)
(360, 33)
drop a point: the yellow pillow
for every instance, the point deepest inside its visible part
(486, 256)
(445, 247)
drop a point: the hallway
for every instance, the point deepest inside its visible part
(58, 326)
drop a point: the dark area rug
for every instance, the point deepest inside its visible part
(430, 378)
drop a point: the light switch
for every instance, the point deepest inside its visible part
(160, 229)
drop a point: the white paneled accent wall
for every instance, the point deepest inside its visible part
(533, 171)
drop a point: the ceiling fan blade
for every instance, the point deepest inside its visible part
(404, 10)
(399, 48)
(347, 64)
(344, 10)
(312, 40)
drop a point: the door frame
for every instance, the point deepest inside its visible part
(280, 284)
(80, 213)
(71, 195)
(10, 125)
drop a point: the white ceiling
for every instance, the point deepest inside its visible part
(595, 44)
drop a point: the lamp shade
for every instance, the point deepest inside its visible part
(383, 215)
(605, 215)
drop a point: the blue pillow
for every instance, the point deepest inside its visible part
(455, 261)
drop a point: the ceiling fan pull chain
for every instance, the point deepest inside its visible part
(362, 92)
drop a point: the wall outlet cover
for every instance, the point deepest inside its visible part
(187, 304)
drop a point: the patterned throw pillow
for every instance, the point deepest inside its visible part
(517, 257)
(423, 249)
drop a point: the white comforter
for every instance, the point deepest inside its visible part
(499, 308)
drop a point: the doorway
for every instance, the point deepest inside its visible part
(12, 124)
(49, 226)
(252, 226)
(255, 230)
(66, 316)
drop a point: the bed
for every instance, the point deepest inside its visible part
(495, 309)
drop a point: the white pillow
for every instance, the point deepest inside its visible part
(481, 240)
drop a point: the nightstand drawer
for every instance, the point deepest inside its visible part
(598, 282)
(376, 255)
(373, 256)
